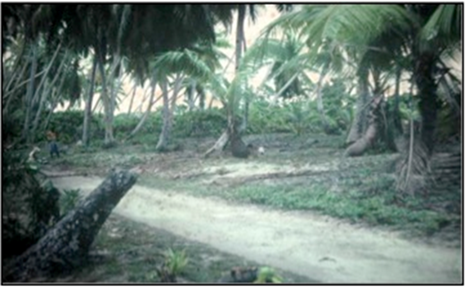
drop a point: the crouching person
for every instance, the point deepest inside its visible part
(52, 141)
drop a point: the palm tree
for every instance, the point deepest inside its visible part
(233, 130)
(422, 33)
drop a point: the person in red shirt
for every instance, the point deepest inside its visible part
(52, 140)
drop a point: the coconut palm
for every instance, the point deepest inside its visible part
(422, 34)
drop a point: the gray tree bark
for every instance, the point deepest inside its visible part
(166, 129)
(359, 123)
(88, 109)
(165, 135)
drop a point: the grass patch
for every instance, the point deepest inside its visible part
(377, 204)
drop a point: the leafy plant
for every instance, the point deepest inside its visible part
(175, 261)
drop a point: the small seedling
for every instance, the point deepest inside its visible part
(268, 275)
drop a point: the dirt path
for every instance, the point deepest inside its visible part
(318, 247)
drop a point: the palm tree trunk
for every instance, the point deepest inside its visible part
(30, 93)
(109, 139)
(320, 105)
(190, 96)
(88, 109)
(428, 105)
(66, 245)
(201, 94)
(166, 129)
(239, 48)
(168, 113)
(396, 112)
(360, 120)
(114, 86)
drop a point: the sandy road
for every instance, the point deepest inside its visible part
(318, 247)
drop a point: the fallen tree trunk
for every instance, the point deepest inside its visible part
(66, 246)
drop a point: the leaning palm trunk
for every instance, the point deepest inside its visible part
(66, 246)
(368, 139)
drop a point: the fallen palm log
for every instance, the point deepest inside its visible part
(66, 245)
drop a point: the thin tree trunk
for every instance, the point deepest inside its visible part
(132, 98)
(176, 90)
(66, 246)
(109, 139)
(88, 108)
(35, 123)
(114, 87)
(245, 119)
(190, 96)
(144, 98)
(8, 95)
(146, 114)
(166, 129)
(165, 135)
(201, 97)
(396, 115)
(320, 105)
(35, 99)
(56, 98)
(15, 67)
(239, 49)
(17, 86)
(30, 93)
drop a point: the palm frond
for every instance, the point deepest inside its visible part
(186, 62)
(442, 28)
